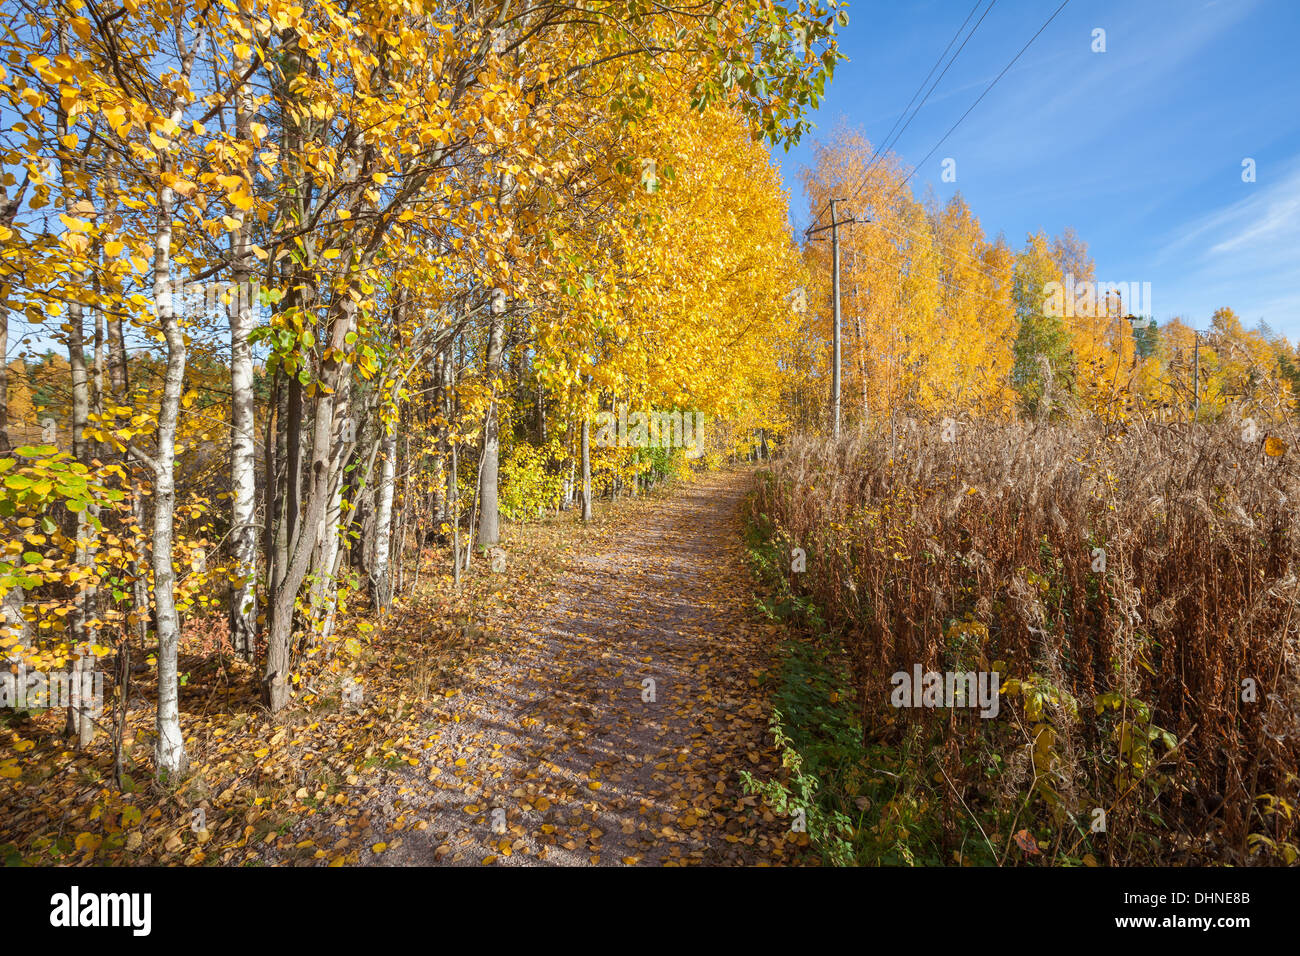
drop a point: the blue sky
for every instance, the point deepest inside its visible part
(1139, 148)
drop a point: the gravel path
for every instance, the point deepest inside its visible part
(609, 727)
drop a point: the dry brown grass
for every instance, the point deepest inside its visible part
(979, 553)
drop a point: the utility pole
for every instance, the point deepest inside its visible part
(835, 293)
(834, 227)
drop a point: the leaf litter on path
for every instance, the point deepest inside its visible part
(609, 723)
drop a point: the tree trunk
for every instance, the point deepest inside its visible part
(11, 600)
(489, 529)
(453, 492)
(11, 616)
(85, 614)
(489, 526)
(243, 481)
(4, 381)
(273, 459)
(169, 751)
(140, 582)
(328, 456)
(379, 574)
(570, 481)
(119, 380)
(8, 211)
(586, 469)
(243, 529)
(541, 414)
(325, 586)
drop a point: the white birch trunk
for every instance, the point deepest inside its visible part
(169, 751)
(380, 574)
(243, 488)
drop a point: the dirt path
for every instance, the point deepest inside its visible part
(610, 726)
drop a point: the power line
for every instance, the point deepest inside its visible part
(987, 89)
(883, 146)
(817, 218)
(886, 146)
(982, 95)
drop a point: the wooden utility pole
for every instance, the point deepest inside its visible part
(835, 295)
(834, 227)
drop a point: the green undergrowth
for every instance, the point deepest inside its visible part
(861, 803)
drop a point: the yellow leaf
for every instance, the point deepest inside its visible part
(76, 225)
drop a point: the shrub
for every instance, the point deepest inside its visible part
(1131, 589)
